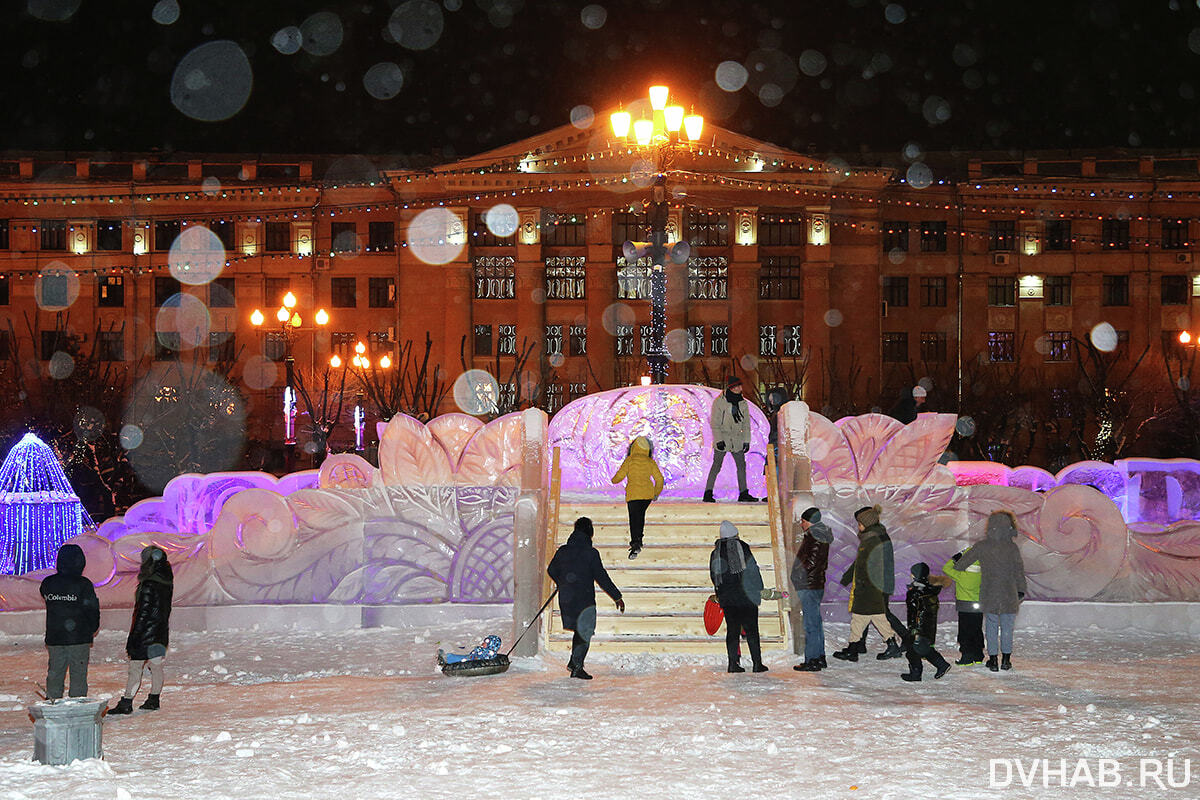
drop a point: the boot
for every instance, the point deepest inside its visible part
(849, 653)
(942, 670)
(808, 666)
(760, 667)
(151, 703)
(708, 497)
(860, 646)
(893, 650)
(966, 661)
(991, 664)
(633, 551)
(579, 673)
(911, 676)
(746, 497)
(1006, 661)
(821, 663)
(123, 706)
(735, 667)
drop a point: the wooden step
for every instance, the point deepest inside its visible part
(699, 535)
(669, 555)
(699, 513)
(646, 577)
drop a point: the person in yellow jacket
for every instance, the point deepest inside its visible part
(643, 485)
(970, 616)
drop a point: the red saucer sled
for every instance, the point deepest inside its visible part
(713, 616)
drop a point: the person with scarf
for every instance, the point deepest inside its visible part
(576, 569)
(149, 630)
(730, 422)
(738, 586)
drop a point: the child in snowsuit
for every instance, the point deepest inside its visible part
(488, 648)
(72, 619)
(643, 485)
(970, 615)
(922, 603)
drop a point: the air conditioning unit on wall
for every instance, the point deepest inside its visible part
(322, 263)
(1000, 259)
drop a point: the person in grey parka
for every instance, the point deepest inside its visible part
(1002, 586)
(730, 422)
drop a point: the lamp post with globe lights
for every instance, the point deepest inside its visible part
(659, 136)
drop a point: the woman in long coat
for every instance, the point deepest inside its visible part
(1001, 586)
(149, 631)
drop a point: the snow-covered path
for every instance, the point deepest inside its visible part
(365, 714)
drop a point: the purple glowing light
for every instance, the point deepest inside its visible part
(38, 508)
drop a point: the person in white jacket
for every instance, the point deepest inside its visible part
(730, 422)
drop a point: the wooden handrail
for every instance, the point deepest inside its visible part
(779, 551)
(550, 540)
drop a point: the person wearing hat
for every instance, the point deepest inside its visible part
(910, 404)
(872, 579)
(808, 577)
(922, 604)
(730, 423)
(738, 586)
(576, 569)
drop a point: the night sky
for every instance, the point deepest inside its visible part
(462, 76)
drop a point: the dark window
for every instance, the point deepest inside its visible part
(564, 230)
(55, 290)
(565, 278)
(1002, 234)
(1002, 291)
(1058, 290)
(343, 292)
(482, 236)
(225, 230)
(506, 340)
(1058, 345)
(895, 290)
(895, 347)
(222, 347)
(167, 345)
(776, 230)
(780, 278)
(495, 277)
(381, 237)
(1001, 346)
(578, 340)
(1058, 234)
(220, 293)
(708, 278)
(378, 343)
(110, 293)
(279, 237)
(933, 292)
(719, 337)
(1114, 233)
(381, 292)
(343, 237)
(4, 290)
(53, 342)
(342, 343)
(895, 236)
(108, 238)
(3, 234)
(275, 345)
(707, 228)
(110, 345)
(623, 340)
(933, 347)
(933, 236)
(274, 290)
(54, 234)
(1174, 234)
(483, 340)
(166, 291)
(767, 340)
(554, 340)
(629, 227)
(1114, 291)
(1060, 403)
(1174, 290)
(166, 231)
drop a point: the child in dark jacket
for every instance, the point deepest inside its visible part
(922, 603)
(72, 619)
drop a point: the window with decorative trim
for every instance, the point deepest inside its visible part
(695, 340)
(342, 343)
(708, 278)
(554, 396)
(780, 278)
(646, 339)
(565, 278)
(623, 340)
(707, 228)
(506, 340)
(767, 340)
(791, 335)
(495, 277)
(577, 344)
(633, 280)
(554, 340)
(719, 339)
(482, 339)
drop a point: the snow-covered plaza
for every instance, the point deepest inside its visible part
(366, 714)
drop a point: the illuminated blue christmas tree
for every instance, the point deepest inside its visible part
(38, 508)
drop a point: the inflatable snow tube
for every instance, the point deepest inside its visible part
(471, 669)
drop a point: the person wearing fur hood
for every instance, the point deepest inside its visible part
(1001, 586)
(643, 484)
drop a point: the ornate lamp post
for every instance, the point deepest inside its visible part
(290, 326)
(658, 136)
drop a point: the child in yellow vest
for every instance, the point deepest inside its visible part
(643, 485)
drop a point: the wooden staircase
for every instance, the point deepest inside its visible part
(666, 587)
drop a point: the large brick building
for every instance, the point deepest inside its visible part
(851, 281)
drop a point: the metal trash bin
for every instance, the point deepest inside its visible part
(64, 730)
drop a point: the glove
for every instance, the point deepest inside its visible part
(746, 447)
(621, 605)
(721, 446)
(1020, 595)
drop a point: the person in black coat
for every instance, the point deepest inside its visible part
(576, 569)
(149, 630)
(72, 619)
(922, 604)
(738, 585)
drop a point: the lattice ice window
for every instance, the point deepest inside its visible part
(554, 397)
(565, 278)
(623, 340)
(647, 339)
(695, 340)
(707, 229)
(791, 340)
(719, 338)
(506, 340)
(633, 280)
(576, 390)
(495, 277)
(767, 340)
(577, 346)
(708, 278)
(554, 340)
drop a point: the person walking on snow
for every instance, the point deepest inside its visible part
(149, 631)
(643, 484)
(922, 604)
(966, 601)
(739, 587)
(576, 569)
(808, 578)
(1001, 586)
(872, 579)
(72, 619)
(730, 422)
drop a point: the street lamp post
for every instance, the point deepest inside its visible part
(659, 136)
(290, 325)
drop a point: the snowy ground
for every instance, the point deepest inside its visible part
(365, 714)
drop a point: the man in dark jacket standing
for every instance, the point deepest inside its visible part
(72, 619)
(808, 576)
(576, 569)
(738, 585)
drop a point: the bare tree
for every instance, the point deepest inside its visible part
(409, 386)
